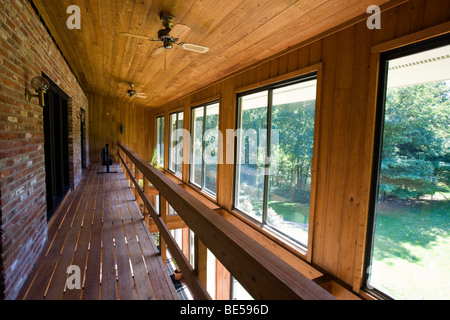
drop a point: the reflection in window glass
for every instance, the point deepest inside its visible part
(211, 138)
(251, 154)
(159, 157)
(293, 115)
(197, 146)
(410, 254)
(204, 150)
(176, 142)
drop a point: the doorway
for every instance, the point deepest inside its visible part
(83, 138)
(56, 145)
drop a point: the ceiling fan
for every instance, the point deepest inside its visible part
(132, 93)
(170, 35)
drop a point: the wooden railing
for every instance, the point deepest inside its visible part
(264, 275)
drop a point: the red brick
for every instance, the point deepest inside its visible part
(23, 55)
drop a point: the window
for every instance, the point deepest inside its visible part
(211, 274)
(159, 152)
(176, 142)
(238, 292)
(192, 248)
(409, 253)
(204, 136)
(274, 156)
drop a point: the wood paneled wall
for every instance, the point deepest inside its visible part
(345, 125)
(106, 117)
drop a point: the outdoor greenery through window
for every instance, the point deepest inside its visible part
(204, 146)
(159, 152)
(274, 156)
(410, 253)
(176, 142)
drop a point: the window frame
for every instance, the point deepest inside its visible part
(383, 73)
(174, 171)
(311, 75)
(201, 187)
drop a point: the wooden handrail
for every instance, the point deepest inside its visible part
(264, 275)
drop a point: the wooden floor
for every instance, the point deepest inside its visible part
(99, 228)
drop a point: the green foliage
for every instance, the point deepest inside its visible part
(416, 142)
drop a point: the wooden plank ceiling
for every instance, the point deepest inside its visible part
(239, 33)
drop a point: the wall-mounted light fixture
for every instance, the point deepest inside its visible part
(41, 85)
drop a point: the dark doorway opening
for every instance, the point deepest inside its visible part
(56, 145)
(83, 138)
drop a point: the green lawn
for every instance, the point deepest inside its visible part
(411, 255)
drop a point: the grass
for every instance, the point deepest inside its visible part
(411, 255)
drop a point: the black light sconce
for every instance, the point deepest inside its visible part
(122, 129)
(40, 85)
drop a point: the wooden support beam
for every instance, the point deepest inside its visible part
(201, 256)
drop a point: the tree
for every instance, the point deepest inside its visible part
(416, 142)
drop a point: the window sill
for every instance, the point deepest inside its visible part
(210, 196)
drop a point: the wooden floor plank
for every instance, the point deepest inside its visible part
(58, 282)
(161, 282)
(91, 290)
(144, 287)
(103, 232)
(44, 273)
(126, 281)
(109, 288)
(83, 244)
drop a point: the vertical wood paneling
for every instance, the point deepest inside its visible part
(106, 117)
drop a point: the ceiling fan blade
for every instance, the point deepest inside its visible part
(158, 51)
(179, 30)
(193, 47)
(126, 34)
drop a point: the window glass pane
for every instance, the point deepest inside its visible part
(211, 146)
(411, 245)
(160, 141)
(179, 146)
(238, 292)
(173, 139)
(192, 248)
(211, 274)
(292, 139)
(176, 142)
(197, 146)
(251, 154)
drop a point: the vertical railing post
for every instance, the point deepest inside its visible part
(163, 209)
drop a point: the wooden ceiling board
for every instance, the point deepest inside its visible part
(239, 33)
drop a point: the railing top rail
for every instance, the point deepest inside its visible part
(264, 275)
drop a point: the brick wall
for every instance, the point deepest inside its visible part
(26, 51)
